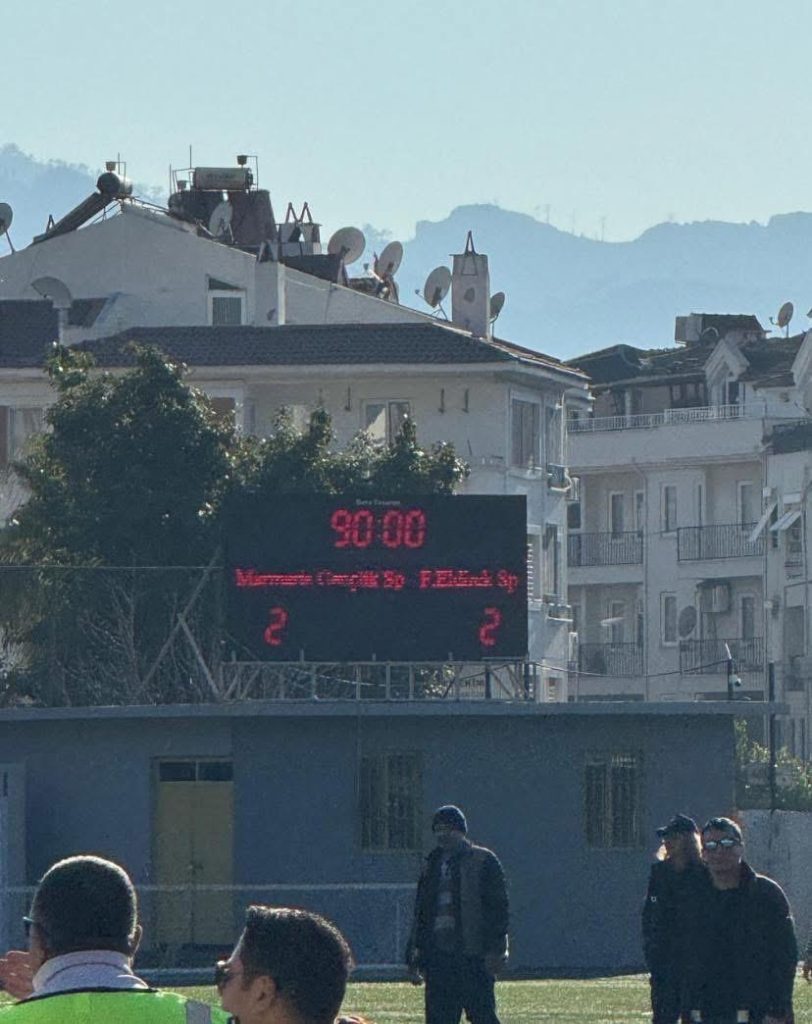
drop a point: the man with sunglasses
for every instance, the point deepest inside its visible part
(745, 952)
(288, 967)
(83, 933)
(458, 942)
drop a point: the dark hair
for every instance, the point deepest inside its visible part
(307, 957)
(85, 903)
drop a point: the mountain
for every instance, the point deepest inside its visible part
(566, 294)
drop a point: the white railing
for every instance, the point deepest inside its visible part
(668, 417)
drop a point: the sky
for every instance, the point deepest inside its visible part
(602, 117)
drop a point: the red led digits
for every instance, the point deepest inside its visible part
(391, 529)
(275, 629)
(341, 522)
(490, 625)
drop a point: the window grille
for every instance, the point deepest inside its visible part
(525, 434)
(612, 800)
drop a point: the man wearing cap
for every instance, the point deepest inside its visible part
(677, 884)
(458, 942)
(745, 946)
(83, 932)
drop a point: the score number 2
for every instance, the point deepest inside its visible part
(274, 635)
(492, 620)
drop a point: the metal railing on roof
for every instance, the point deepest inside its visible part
(668, 417)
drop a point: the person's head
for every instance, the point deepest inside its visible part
(449, 826)
(83, 903)
(288, 965)
(680, 841)
(722, 851)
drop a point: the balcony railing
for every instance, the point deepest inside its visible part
(610, 659)
(696, 543)
(709, 657)
(668, 417)
(604, 548)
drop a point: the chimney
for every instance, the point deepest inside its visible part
(471, 291)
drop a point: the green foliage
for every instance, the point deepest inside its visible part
(793, 776)
(108, 589)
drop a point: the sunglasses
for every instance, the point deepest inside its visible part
(725, 844)
(223, 974)
(29, 923)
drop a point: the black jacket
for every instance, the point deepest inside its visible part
(754, 924)
(671, 914)
(480, 904)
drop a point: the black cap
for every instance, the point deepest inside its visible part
(680, 823)
(450, 815)
(727, 825)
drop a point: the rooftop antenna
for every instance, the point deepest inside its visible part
(784, 317)
(348, 244)
(6, 217)
(436, 288)
(497, 303)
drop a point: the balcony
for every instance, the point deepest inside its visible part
(709, 657)
(668, 417)
(698, 543)
(610, 659)
(604, 549)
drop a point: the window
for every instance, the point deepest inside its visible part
(552, 560)
(552, 434)
(795, 542)
(668, 618)
(390, 802)
(617, 621)
(195, 771)
(574, 505)
(732, 392)
(525, 434)
(669, 508)
(226, 308)
(639, 624)
(384, 420)
(225, 409)
(700, 504)
(747, 617)
(640, 512)
(746, 507)
(533, 560)
(616, 513)
(612, 802)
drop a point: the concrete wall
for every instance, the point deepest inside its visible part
(518, 772)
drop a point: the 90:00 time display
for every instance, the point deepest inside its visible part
(392, 528)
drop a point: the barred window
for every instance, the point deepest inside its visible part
(391, 801)
(612, 800)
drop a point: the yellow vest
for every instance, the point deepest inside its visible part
(125, 1006)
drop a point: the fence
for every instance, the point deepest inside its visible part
(187, 928)
(696, 543)
(624, 548)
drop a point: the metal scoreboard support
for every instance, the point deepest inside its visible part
(315, 578)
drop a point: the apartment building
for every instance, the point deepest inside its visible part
(686, 546)
(259, 333)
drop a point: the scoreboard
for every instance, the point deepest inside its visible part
(436, 578)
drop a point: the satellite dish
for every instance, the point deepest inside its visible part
(55, 290)
(686, 622)
(220, 220)
(348, 243)
(785, 314)
(497, 302)
(386, 265)
(436, 287)
(6, 217)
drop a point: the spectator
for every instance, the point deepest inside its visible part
(677, 883)
(288, 967)
(83, 933)
(458, 942)
(745, 948)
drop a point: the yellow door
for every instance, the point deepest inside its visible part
(193, 840)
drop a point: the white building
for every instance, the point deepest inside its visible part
(258, 334)
(686, 540)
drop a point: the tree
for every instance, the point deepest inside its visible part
(111, 586)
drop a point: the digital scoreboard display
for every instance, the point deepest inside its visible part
(342, 579)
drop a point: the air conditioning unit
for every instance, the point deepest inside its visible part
(560, 612)
(720, 598)
(557, 479)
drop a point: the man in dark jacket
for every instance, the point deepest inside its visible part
(745, 949)
(458, 942)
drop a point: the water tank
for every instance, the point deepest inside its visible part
(112, 184)
(223, 179)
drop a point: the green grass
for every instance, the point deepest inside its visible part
(618, 1000)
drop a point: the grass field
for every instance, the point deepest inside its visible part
(619, 1000)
